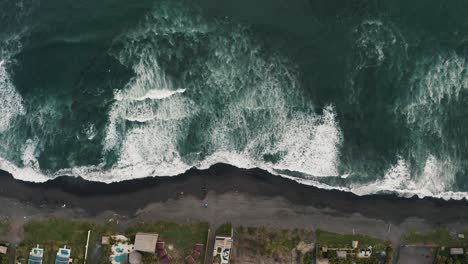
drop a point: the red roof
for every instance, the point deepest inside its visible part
(162, 253)
(195, 254)
(189, 260)
(160, 245)
(199, 247)
(165, 260)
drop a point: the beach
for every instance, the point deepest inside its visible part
(242, 197)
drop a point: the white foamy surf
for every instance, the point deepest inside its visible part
(252, 112)
(12, 103)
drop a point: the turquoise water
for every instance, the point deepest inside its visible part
(365, 97)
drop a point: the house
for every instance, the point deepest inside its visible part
(456, 251)
(223, 246)
(195, 254)
(162, 253)
(36, 255)
(198, 247)
(3, 249)
(146, 242)
(63, 256)
(322, 261)
(189, 260)
(192, 258)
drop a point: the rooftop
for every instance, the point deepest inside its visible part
(146, 242)
(456, 251)
(63, 256)
(3, 249)
(223, 247)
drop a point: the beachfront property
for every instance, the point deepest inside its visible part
(439, 246)
(4, 258)
(456, 251)
(124, 252)
(146, 242)
(222, 250)
(3, 249)
(196, 253)
(120, 249)
(63, 256)
(347, 252)
(36, 255)
(352, 252)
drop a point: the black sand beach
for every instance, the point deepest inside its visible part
(242, 197)
(130, 196)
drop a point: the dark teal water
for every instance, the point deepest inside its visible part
(364, 96)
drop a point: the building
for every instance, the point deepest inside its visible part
(3, 249)
(456, 251)
(105, 240)
(192, 258)
(63, 256)
(146, 242)
(322, 261)
(223, 246)
(36, 255)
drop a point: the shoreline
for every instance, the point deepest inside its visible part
(242, 197)
(128, 197)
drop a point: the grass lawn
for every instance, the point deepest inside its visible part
(54, 233)
(181, 237)
(3, 228)
(269, 242)
(4, 259)
(440, 237)
(334, 240)
(465, 240)
(224, 230)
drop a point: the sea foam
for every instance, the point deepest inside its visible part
(12, 102)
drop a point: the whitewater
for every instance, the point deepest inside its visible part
(377, 110)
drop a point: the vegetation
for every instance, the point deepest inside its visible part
(4, 226)
(382, 249)
(443, 257)
(440, 237)
(278, 244)
(4, 259)
(217, 259)
(181, 238)
(224, 230)
(54, 233)
(334, 240)
(309, 257)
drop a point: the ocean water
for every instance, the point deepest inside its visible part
(362, 96)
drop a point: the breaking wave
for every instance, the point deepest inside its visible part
(174, 88)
